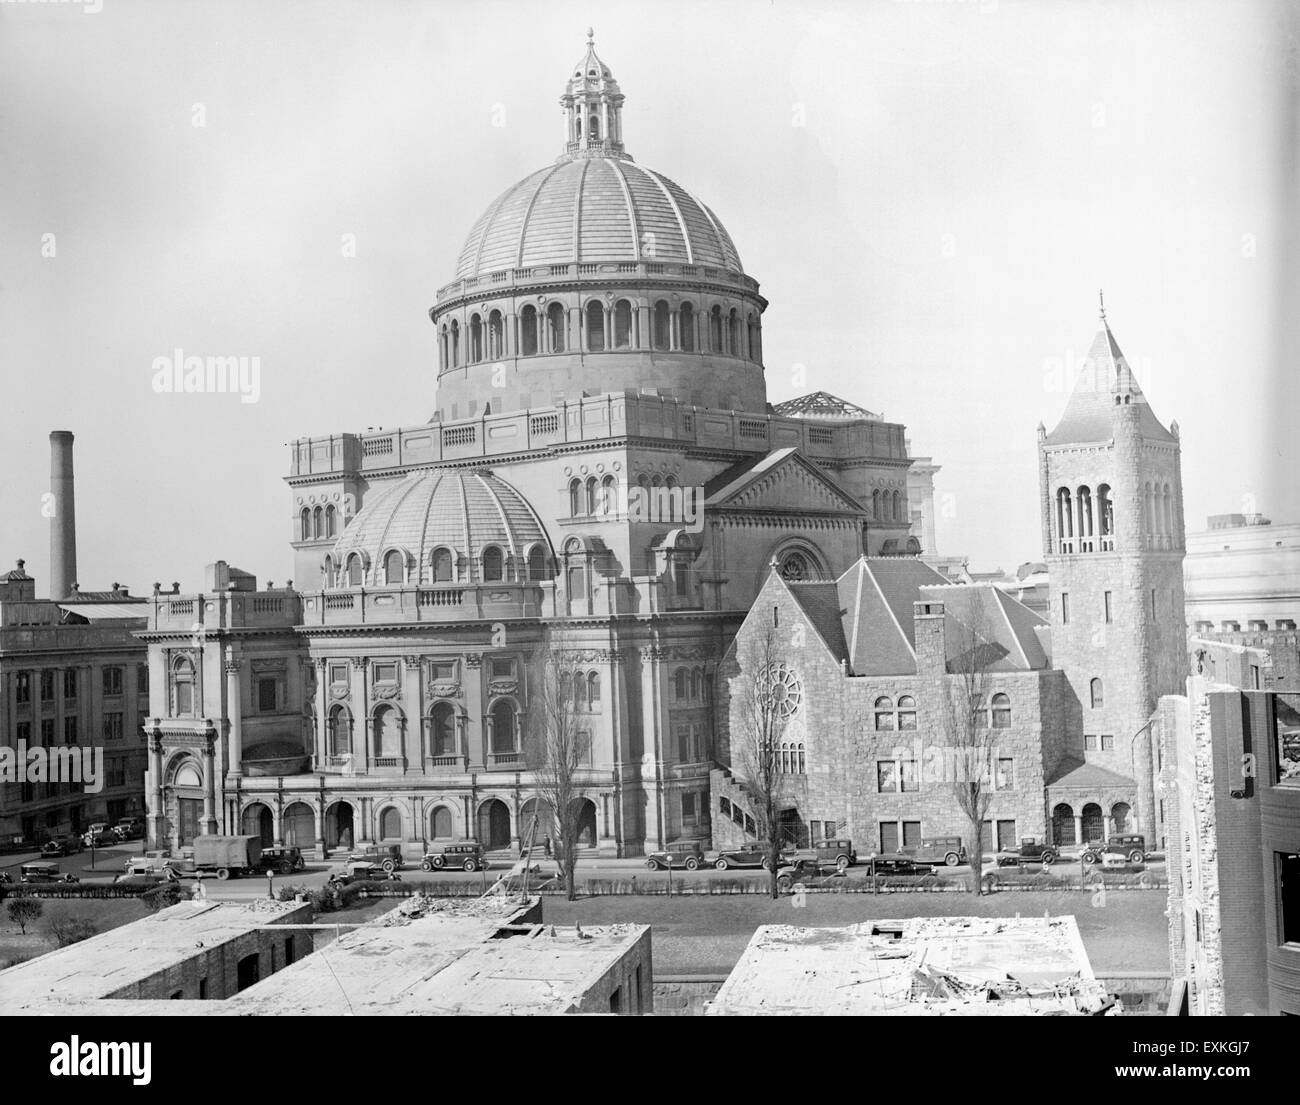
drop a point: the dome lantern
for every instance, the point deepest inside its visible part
(593, 109)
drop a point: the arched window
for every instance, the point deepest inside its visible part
(1084, 511)
(1001, 711)
(496, 335)
(661, 326)
(575, 497)
(695, 683)
(306, 525)
(751, 330)
(327, 570)
(875, 504)
(884, 713)
(503, 726)
(579, 693)
(799, 749)
(340, 732)
(715, 330)
(183, 685)
(897, 514)
(555, 327)
(1167, 501)
(528, 331)
(455, 343)
(390, 824)
(733, 333)
(394, 568)
(318, 523)
(442, 565)
(442, 730)
(442, 823)
(1064, 519)
(593, 691)
(590, 501)
(354, 571)
(679, 684)
(493, 564)
(331, 520)
(906, 712)
(387, 728)
(595, 326)
(1105, 517)
(565, 686)
(475, 339)
(686, 327)
(1148, 509)
(536, 563)
(444, 348)
(593, 128)
(622, 324)
(609, 495)
(1096, 694)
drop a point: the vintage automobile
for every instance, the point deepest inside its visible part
(753, 853)
(128, 828)
(99, 835)
(37, 873)
(282, 860)
(678, 853)
(388, 856)
(838, 851)
(464, 854)
(1131, 846)
(149, 879)
(362, 871)
(808, 874)
(1028, 851)
(53, 849)
(903, 862)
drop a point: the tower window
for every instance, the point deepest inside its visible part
(1065, 608)
(1095, 694)
(528, 331)
(595, 327)
(622, 324)
(1106, 600)
(662, 325)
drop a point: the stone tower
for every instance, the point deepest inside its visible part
(1111, 495)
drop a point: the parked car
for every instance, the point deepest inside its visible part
(182, 867)
(753, 853)
(99, 835)
(129, 828)
(678, 853)
(282, 860)
(903, 862)
(1132, 846)
(1029, 850)
(38, 873)
(808, 874)
(362, 871)
(146, 879)
(53, 849)
(464, 854)
(388, 856)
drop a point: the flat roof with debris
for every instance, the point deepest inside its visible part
(923, 966)
(122, 957)
(430, 957)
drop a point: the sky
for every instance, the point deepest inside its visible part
(930, 193)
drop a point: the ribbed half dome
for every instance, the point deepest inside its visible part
(464, 512)
(592, 209)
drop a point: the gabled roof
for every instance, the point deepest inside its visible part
(877, 594)
(1105, 382)
(822, 404)
(1006, 631)
(1076, 773)
(753, 484)
(820, 602)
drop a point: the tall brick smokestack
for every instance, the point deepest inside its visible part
(63, 520)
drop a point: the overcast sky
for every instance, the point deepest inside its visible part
(929, 192)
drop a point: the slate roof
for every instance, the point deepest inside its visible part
(1072, 773)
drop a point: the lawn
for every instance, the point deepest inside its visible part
(706, 935)
(107, 913)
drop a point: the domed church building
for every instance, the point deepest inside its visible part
(601, 460)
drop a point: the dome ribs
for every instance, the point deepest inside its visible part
(631, 209)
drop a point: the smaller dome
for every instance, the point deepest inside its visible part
(452, 516)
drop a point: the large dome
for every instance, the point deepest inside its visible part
(463, 512)
(592, 209)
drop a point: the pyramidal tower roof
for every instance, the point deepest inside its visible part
(1105, 382)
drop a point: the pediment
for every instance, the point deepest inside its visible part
(788, 482)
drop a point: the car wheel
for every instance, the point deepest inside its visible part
(691, 863)
(652, 865)
(1145, 881)
(721, 865)
(766, 864)
(1048, 859)
(426, 866)
(952, 859)
(469, 865)
(389, 866)
(223, 873)
(842, 863)
(1135, 856)
(438, 861)
(1087, 859)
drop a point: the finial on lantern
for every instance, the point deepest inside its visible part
(1101, 299)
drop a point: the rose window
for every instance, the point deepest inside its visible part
(782, 688)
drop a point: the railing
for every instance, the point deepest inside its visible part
(340, 602)
(452, 597)
(376, 446)
(445, 763)
(388, 761)
(505, 759)
(264, 605)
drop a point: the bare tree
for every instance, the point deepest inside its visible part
(970, 742)
(761, 711)
(557, 751)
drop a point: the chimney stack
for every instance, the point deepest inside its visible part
(63, 522)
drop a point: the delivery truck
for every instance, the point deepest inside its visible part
(225, 856)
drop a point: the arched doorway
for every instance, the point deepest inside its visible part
(299, 823)
(338, 826)
(390, 824)
(540, 808)
(494, 824)
(585, 810)
(1063, 825)
(1094, 824)
(257, 821)
(1120, 814)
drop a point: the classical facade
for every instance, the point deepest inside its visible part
(602, 463)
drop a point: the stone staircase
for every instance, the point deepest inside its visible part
(733, 823)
